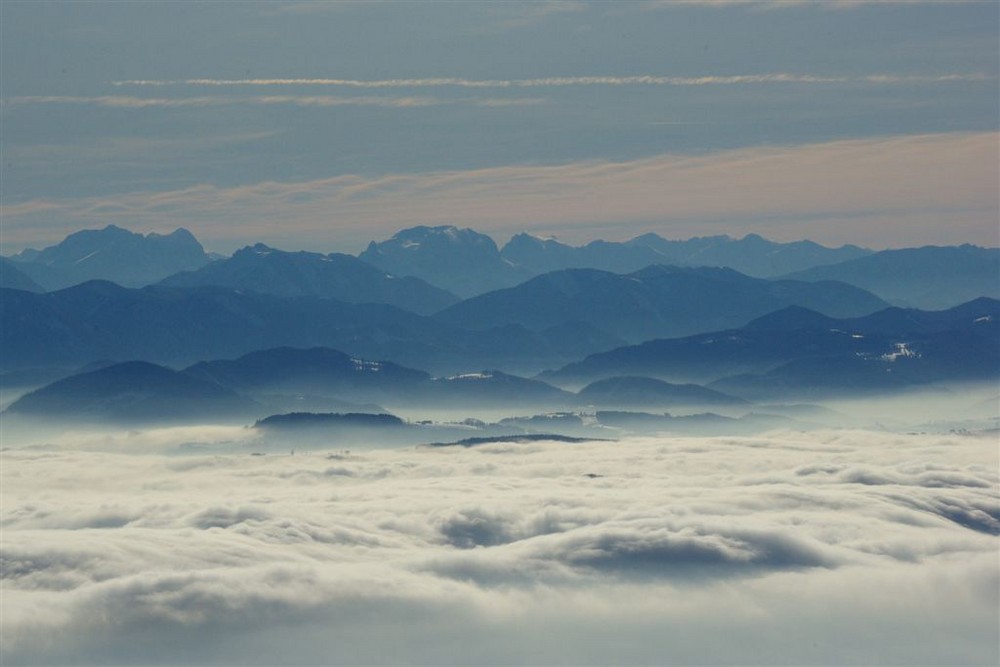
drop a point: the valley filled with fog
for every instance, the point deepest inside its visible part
(827, 547)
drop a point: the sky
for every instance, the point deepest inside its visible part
(322, 126)
(824, 548)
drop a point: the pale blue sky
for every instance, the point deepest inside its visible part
(324, 125)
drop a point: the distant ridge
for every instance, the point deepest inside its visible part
(752, 255)
(930, 277)
(343, 277)
(791, 317)
(178, 326)
(133, 391)
(657, 301)
(784, 355)
(277, 299)
(182, 325)
(13, 277)
(114, 254)
(469, 263)
(972, 314)
(317, 370)
(462, 261)
(644, 391)
(793, 351)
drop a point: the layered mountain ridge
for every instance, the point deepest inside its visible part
(785, 355)
(454, 261)
(524, 329)
(664, 321)
(654, 302)
(263, 269)
(796, 351)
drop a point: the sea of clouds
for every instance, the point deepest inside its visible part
(830, 547)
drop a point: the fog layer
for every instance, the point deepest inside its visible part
(833, 547)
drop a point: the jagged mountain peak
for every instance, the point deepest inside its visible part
(113, 253)
(256, 248)
(462, 261)
(442, 234)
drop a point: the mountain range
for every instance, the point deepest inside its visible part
(638, 391)
(324, 371)
(629, 331)
(178, 326)
(245, 387)
(461, 261)
(796, 351)
(784, 355)
(526, 329)
(931, 277)
(114, 254)
(752, 254)
(469, 263)
(657, 301)
(466, 263)
(260, 268)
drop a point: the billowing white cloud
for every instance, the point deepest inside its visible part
(837, 547)
(882, 192)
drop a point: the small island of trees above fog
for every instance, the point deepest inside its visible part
(648, 334)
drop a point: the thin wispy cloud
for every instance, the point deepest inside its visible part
(798, 4)
(132, 102)
(115, 101)
(513, 15)
(862, 191)
(634, 80)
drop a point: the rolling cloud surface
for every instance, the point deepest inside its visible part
(834, 547)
